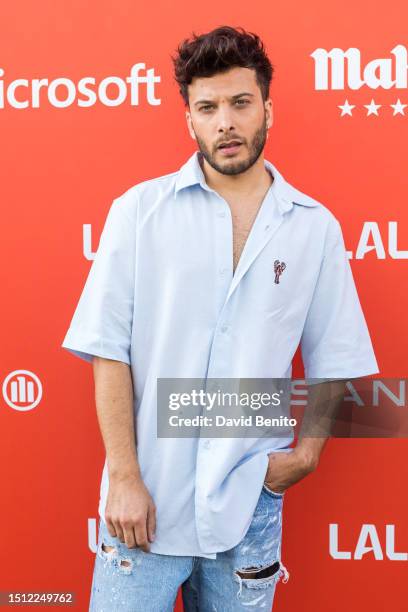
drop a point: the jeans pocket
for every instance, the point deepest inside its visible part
(269, 491)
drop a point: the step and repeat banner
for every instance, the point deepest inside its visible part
(88, 108)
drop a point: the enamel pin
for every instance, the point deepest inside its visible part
(278, 267)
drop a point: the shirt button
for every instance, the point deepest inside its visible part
(207, 443)
(221, 214)
(224, 328)
(223, 270)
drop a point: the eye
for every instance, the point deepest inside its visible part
(244, 102)
(206, 107)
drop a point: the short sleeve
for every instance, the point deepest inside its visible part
(102, 322)
(335, 341)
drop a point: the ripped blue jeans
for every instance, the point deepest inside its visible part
(242, 578)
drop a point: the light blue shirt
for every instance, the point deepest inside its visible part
(161, 296)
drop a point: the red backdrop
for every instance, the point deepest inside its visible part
(62, 163)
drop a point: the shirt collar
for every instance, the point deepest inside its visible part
(191, 174)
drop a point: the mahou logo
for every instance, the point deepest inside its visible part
(22, 390)
(333, 67)
(339, 70)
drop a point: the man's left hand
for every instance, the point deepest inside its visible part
(285, 469)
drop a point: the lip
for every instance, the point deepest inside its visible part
(230, 147)
(228, 143)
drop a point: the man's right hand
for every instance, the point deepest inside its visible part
(130, 512)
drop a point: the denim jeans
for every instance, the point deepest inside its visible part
(131, 580)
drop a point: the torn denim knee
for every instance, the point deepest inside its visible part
(261, 576)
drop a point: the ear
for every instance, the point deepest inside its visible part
(269, 113)
(190, 125)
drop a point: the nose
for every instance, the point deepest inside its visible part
(225, 120)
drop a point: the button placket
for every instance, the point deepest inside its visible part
(223, 250)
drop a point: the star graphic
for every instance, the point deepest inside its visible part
(346, 108)
(372, 108)
(398, 107)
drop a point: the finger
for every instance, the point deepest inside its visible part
(141, 535)
(111, 527)
(119, 530)
(129, 535)
(151, 523)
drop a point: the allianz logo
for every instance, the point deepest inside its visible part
(337, 69)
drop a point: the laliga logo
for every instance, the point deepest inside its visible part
(63, 92)
(384, 73)
(22, 390)
(382, 242)
(368, 543)
(371, 239)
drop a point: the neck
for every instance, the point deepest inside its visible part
(256, 178)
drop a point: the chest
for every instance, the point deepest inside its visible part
(193, 249)
(243, 218)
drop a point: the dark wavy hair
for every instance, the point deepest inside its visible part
(218, 51)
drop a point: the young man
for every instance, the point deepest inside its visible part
(218, 270)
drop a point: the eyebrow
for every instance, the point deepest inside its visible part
(245, 93)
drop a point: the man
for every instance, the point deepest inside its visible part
(218, 270)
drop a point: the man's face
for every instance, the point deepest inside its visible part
(229, 107)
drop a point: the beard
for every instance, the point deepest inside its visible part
(231, 167)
